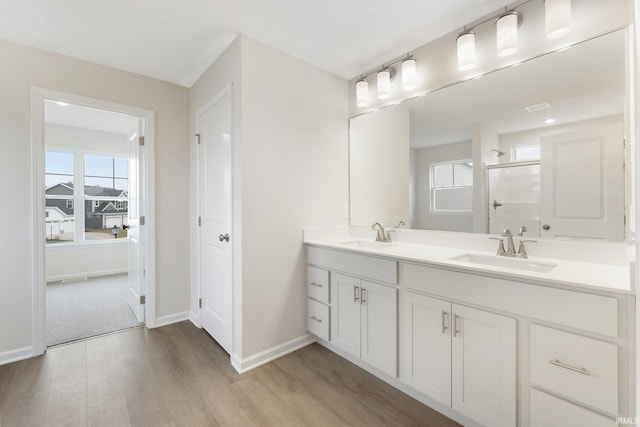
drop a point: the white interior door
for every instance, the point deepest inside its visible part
(582, 184)
(136, 252)
(215, 198)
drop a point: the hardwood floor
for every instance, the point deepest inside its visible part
(178, 376)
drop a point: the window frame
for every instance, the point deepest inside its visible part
(79, 199)
(515, 148)
(432, 189)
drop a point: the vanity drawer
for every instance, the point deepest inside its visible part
(581, 368)
(550, 411)
(318, 284)
(318, 319)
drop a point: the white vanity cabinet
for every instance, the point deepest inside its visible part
(362, 302)
(318, 302)
(364, 321)
(483, 348)
(462, 357)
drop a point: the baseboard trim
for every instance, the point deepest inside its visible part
(15, 355)
(172, 318)
(195, 319)
(87, 274)
(266, 356)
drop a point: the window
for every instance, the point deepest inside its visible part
(525, 152)
(452, 187)
(106, 183)
(59, 194)
(103, 197)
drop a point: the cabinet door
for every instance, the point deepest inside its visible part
(345, 313)
(379, 305)
(484, 366)
(426, 341)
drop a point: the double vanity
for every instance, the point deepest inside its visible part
(485, 339)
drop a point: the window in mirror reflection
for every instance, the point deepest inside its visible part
(452, 186)
(522, 153)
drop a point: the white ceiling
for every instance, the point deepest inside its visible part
(80, 116)
(177, 41)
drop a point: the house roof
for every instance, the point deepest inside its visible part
(66, 188)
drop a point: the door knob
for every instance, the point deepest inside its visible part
(496, 205)
(546, 227)
(223, 237)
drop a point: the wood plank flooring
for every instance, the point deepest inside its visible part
(178, 376)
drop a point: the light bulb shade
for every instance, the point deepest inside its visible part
(384, 84)
(507, 34)
(362, 93)
(409, 74)
(557, 17)
(466, 51)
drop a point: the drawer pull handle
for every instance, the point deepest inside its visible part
(456, 331)
(363, 293)
(569, 367)
(444, 321)
(315, 319)
(318, 285)
(356, 291)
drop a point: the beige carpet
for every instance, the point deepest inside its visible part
(86, 308)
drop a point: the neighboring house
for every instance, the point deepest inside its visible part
(98, 214)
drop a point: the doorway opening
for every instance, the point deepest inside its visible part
(93, 211)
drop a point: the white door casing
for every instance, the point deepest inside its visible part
(135, 231)
(147, 184)
(582, 176)
(215, 218)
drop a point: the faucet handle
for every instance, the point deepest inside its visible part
(501, 251)
(523, 230)
(400, 224)
(522, 252)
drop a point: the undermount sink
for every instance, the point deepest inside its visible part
(505, 262)
(369, 244)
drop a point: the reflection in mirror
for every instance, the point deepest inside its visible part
(539, 144)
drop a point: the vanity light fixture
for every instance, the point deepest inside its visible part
(507, 33)
(384, 83)
(362, 93)
(409, 73)
(557, 17)
(384, 76)
(466, 43)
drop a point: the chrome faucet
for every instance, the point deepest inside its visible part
(511, 249)
(381, 236)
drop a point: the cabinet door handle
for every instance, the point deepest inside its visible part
(356, 290)
(444, 321)
(363, 292)
(318, 285)
(569, 367)
(455, 325)
(315, 319)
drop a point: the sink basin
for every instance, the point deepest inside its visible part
(369, 244)
(505, 262)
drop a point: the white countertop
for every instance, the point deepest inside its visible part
(567, 273)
